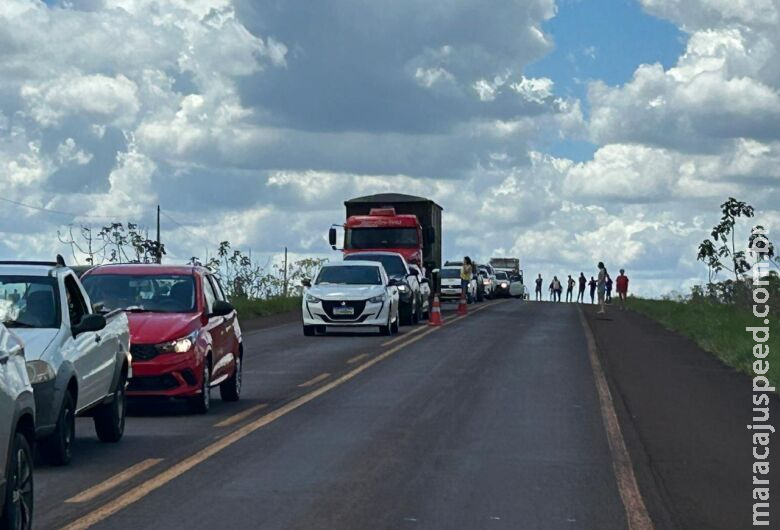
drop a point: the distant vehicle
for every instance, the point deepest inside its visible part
(394, 222)
(78, 360)
(517, 288)
(509, 265)
(481, 293)
(185, 334)
(488, 279)
(17, 434)
(425, 291)
(350, 294)
(451, 286)
(408, 283)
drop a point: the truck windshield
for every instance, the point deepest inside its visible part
(349, 275)
(29, 302)
(450, 273)
(394, 265)
(170, 293)
(368, 238)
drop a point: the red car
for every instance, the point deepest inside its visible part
(184, 334)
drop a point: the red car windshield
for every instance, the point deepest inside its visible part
(158, 293)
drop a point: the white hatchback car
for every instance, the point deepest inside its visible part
(348, 295)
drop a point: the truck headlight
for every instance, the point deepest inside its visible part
(40, 372)
(377, 299)
(181, 345)
(312, 299)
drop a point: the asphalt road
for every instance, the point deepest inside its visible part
(492, 421)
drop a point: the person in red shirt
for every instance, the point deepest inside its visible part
(621, 285)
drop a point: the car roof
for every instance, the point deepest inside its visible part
(374, 253)
(352, 263)
(31, 269)
(131, 269)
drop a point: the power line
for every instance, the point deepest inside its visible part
(52, 210)
(196, 236)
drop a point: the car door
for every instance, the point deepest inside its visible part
(84, 349)
(7, 399)
(220, 347)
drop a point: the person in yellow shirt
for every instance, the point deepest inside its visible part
(466, 274)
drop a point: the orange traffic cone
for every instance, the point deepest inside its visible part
(462, 308)
(435, 317)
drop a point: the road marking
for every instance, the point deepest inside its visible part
(404, 336)
(314, 381)
(142, 490)
(636, 512)
(357, 358)
(241, 415)
(118, 479)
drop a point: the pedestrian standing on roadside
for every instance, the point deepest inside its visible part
(570, 288)
(539, 283)
(592, 283)
(621, 284)
(609, 289)
(557, 288)
(581, 292)
(602, 287)
(466, 273)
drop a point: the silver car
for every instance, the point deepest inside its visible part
(17, 434)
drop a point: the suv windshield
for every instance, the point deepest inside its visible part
(169, 293)
(349, 275)
(394, 265)
(368, 238)
(450, 273)
(29, 302)
(501, 276)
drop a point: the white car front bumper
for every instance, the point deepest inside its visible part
(326, 313)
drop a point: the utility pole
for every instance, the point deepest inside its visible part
(285, 272)
(158, 249)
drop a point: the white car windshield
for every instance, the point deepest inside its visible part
(349, 275)
(450, 273)
(29, 302)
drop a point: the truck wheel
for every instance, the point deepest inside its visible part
(56, 448)
(309, 331)
(230, 390)
(18, 506)
(109, 418)
(201, 403)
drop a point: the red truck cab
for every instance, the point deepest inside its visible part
(185, 335)
(384, 230)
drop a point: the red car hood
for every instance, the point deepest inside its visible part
(154, 328)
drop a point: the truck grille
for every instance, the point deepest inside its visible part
(143, 352)
(357, 305)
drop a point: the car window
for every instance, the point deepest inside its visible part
(77, 306)
(349, 275)
(450, 273)
(208, 295)
(29, 302)
(217, 287)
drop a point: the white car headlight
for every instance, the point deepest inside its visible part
(504, 285)
(312, 299)
(181, 345)
(378, 299)
(40, 372)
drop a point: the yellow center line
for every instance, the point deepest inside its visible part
(357, 358)
(314, 380)
(142, 490)
(634, 505)
(403, 336)
(241, 415)
(111, 483)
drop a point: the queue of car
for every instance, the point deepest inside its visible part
(73, 346)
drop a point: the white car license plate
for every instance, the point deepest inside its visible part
(344, 311)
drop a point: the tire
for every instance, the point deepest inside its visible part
(109, 419)
(57, 447)
(230, 390)
(405, 314)
(416, 312)
(201, 403)
(388, 329)
(19, 498)
(394, 327)
(309, 331)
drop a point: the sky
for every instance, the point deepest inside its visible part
(564, 133)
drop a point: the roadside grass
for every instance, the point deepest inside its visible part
(718, 329)
(265, 307)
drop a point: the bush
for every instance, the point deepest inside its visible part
(251, 308)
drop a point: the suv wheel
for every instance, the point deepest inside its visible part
(56, 448)
(230, 390)
(109, 418)
(201, 403)
(18, 506)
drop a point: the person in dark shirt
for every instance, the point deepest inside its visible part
(592, 284)
(570, 288)
(609, 289)
(539, 283)
(581, 292)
